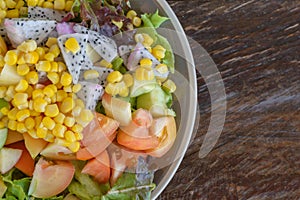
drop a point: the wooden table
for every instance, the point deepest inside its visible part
(256, 47)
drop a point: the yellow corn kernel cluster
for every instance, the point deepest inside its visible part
(52, 4)
(118, 84)
(51, 112)
(136, 21)
(12, 9)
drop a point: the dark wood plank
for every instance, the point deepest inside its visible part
(256, 46)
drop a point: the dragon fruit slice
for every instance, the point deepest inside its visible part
(124, 52)
(90, 93)
(103, 73)
(137, 54)
(78, 61)
(19, 30)
(65, 28)
(45, 13)
(104, 46)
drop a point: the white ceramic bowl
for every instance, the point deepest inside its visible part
(185, 103)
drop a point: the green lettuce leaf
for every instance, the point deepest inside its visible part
(157, 20)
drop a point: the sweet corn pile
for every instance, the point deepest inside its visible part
(52, 112)
(18, 8)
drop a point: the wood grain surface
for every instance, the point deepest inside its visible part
(256, 47)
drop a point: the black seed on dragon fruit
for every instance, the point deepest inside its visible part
(104, 46)
(45, 13)
(19, 30)
(90, 94)
(78, 61)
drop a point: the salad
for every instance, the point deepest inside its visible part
(85, 99)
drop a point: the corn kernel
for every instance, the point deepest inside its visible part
(32, 133)
(10, 92)
(27, 46)
(79, 103)
(33, 113)
(12, 114)
(44, 66)
(21, 127)
(61, 95)
(53, 77)
(49, 56)
(21, 58)
(14, 13)
(72, 45)
(12, 125)
(67, 105)
(22, 86)
(77, 128)
(114, 77)
(23, 69)
(2, 91)
(10, 57)
(31, 57)
(37, 93)
(59, 118)
(23, 11)
(162, 68)
(32, 3)
(61, 142)
(119, 24)
(90, 74)
(128, 80)
(144, 74)
(106, 64)
(78, 136)
(169, 86)
(48, 123)
(41, 132)
(4, 110)
(38, 121)
(2, 125)
(68, 6)
(39, 104)
(66, 79)
(20, 98)
(59, 4)
(59, 130)
(41, 52)
(48, 4)
(3, 5)
(124, 92)
(10, 3)
(29, 123)
(48, 91)
(69, 121)
(158, 52)
(22, 115)
(70, 136)
(49, 137)
(147, 40)
(53, 87)
(54, 67)
(111, 89)
(68, 89)
(51, 41)
(146, 63)
(61, 66)
(86, 115)
(51, 110)
(32, 77)
(131, 14)
(54, 49)
(76, 88)
(20, 4)
(76, 111)
(136, 21)
(74, 146)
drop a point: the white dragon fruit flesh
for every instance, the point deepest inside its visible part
(19, 30)
(124, 52)
(104, 46)
(90, 94)
(75, 62)
(46, 13)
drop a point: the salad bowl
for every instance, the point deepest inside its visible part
(185, 104)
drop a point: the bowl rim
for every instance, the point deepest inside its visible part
(192, 101)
